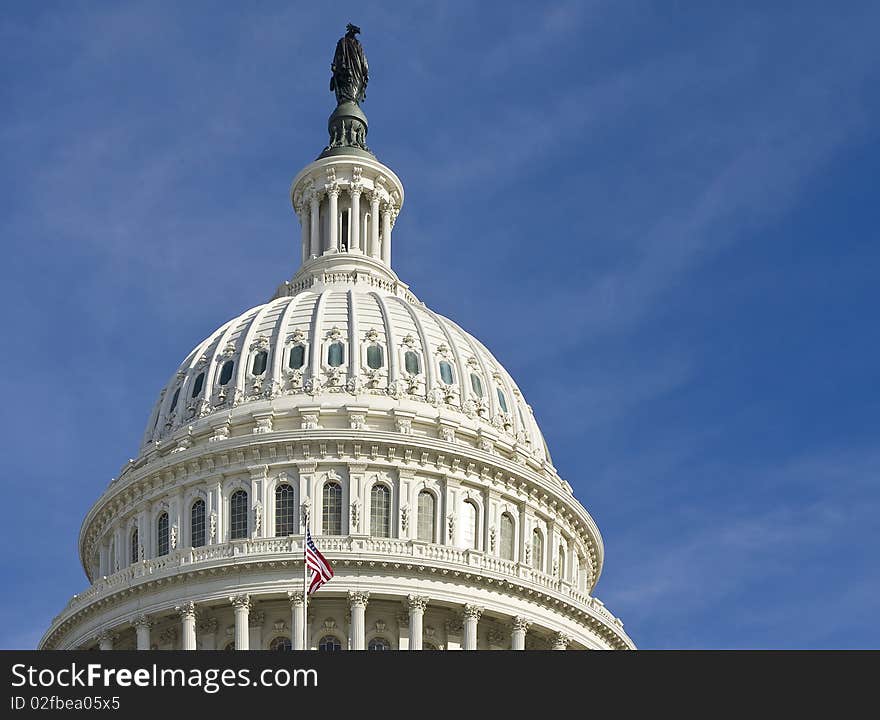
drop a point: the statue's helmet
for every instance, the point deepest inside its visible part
(352, 29)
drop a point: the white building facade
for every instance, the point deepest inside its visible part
(346, 403)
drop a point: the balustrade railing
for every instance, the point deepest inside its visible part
(293, 545)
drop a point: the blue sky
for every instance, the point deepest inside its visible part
(662, 218)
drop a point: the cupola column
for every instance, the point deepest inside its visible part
(386, 232)
(333, 212)
(242, 605)
(374, 224)
(305, 236)
(142, 625)
(315, 225)
(355, 193)
(105, 641)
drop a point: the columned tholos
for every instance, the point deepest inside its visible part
(357, 601)
(417, 605)
(374, 224)
(333, 217)
(561, 641)
(296, 618)
(315, 225)
(142, 625)
(187, 613)
(105, 641)
(518, 634)
(471, 616)
(242, 605)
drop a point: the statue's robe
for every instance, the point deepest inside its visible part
(350, 71)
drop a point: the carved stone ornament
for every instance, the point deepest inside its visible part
(354, 386)
(173, 536)
(380, 626)
(522, 624)
(208, 625)
(492, 539)
(186, 610)
(357, 421)
(355, 515)
(358, 598)
(417, 602)
(256, 619)
(328, 624)
(309, 422)
(404, 517)
(258, 517)
(213, 525)
(472, 612)
(450, 521)
(372, 335)
(404, 426)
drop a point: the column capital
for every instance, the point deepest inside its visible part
(296, 597)
(472, 612)
(187, 610)
(561, 641)
(142, 621)
(417, 602)
(106, 636)
(358, 598)
(241, 601)
(521, 623)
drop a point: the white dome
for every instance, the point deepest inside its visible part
(423, 363)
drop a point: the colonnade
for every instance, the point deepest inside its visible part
(357, 600)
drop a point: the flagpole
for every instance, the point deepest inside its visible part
(305, 630)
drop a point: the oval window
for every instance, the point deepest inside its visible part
(335, 354)
(446, 373)
(259, 366)
(374, 357)
(477, 384)
(197, 386)
(502, 401)
(297, 357)
(411, 362)
(226, 372)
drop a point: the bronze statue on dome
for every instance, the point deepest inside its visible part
(349, 67)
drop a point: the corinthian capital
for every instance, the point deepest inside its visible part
(241, 601)
(187, 610)
(472, 612)
(417, 602)
(521, 623)
(358, 598)
(296, 597)
(142, 621)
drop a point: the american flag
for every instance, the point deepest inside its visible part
(318, 563)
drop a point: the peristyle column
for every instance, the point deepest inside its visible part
(417, 605)
(518, 635)
(142, 625)
(187, 613)
(315, 229)
(358, 600)
(333, 212)
(386, 232)
(471, 617)
(242, 605)
(374, 224)
(296, 618)
(355, 242)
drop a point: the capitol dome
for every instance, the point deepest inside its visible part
(346, 405)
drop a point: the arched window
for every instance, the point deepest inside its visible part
(134, 550)
(469, 525)
(329, 642)
(374, 357)
(502, 400)
(446, 374)
(477, 385)
(162, 534)
(537, 549)
(297, 357)
(281, 643)
(331, 520)
(506, 537)
(426, 523)
(561, 563)
(411, 362)
(379, 643)
(380, 511)
(238, 515)
(174, 400)
(284, 510)
(335, 354)
(226, 372)
(259, 365)
(197, 385)
(197, 523)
